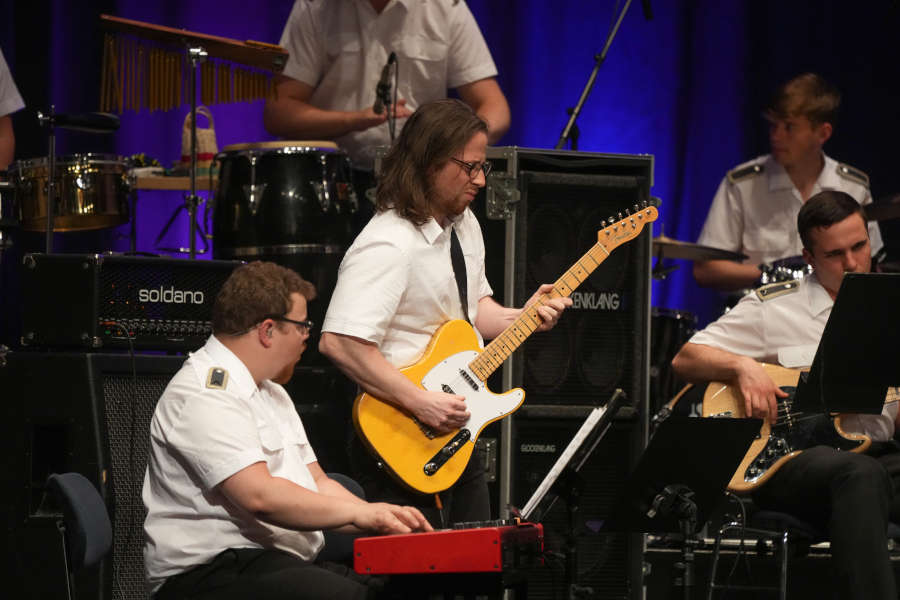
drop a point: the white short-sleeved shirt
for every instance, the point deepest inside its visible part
(396, 284)
(785, 329)
(200, 436)
(756, 206)
(339, 47)
(10, 99)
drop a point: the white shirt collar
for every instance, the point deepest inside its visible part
(431, 229)
(817, 296)
(238, 373)
(780, 180)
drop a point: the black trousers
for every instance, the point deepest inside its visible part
(850, 496)
(467, 500)
(264, 574)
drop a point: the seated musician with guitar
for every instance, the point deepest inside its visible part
(236, 500)
(849, 495)
(418, 264)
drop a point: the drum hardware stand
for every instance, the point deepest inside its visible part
(197, 56)
(49, 121)
(570, 132)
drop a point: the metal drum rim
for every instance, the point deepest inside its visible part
(281, 249)
(288, 150)
(68, 159)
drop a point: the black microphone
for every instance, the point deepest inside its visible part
(648, 12)
(383, 89)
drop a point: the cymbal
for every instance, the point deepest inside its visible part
(666, 247)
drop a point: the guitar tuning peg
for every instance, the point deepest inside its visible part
(620, 216)
(636, 208)
(612, 219)
(603, 224)
(627, 212)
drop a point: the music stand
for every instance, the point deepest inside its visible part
(680, 479)
(563, 481)
(857, 357)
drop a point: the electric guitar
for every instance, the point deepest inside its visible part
(793, 432)
(454, 362)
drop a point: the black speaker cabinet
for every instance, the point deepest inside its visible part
(609, 564)
(88, 413)
(541, 212)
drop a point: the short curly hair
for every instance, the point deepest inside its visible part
(254, 291)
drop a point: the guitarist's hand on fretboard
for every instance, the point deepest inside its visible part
(759, 391)
(551, 306)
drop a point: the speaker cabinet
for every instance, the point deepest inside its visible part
(540, 213)
(609, 564)
(88, 413)
(552, 205)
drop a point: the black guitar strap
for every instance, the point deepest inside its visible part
(459, 271)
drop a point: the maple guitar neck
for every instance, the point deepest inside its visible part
(608, 238)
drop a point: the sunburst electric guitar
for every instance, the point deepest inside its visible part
(455, 363)
(793, 431)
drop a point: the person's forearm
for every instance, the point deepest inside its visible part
(493, 318)
(290, 118)
(700, 363)
(496, 114)
(725, 275)
(286, 504)
(365, 365)
(330, 487)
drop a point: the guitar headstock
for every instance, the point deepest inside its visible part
(621, 229)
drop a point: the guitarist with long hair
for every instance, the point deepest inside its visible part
(849, 495)
(399, 282)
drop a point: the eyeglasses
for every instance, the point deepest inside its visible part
(305, 326)
(472, 168)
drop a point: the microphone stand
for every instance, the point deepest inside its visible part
(567, 132)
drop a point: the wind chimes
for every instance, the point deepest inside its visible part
(146, 66)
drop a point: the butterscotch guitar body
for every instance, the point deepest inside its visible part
(409, 450)
(792, 433)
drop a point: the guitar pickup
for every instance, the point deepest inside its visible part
(447, 451)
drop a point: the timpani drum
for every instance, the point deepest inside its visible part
(92, 192)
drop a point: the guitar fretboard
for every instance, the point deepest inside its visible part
(529, 320)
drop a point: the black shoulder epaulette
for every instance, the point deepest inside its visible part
(853, 174)
(217, 378)
(740, 173)
(775, 290)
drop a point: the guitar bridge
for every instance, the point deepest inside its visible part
(446, 453)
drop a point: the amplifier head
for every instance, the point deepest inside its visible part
(94, 301)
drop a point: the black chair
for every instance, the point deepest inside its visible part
(84, 526)
(789, 537)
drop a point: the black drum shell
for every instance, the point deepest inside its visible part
(281, 197)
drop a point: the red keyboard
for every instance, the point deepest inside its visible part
(476, 550)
